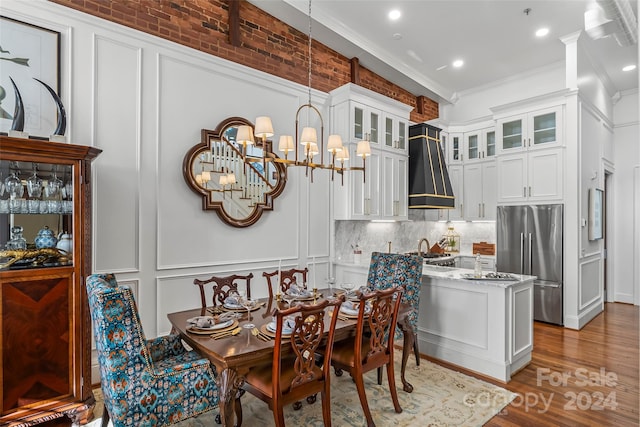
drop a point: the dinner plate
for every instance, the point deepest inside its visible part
(272, 328)
(272, 333)
(218, 327)
(195, 320)
(233, 306)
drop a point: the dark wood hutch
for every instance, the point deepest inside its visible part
(45, 330)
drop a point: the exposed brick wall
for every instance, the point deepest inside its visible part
(266, 43)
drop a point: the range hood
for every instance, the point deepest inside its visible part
(429, 183)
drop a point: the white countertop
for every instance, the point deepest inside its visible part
(459, 274)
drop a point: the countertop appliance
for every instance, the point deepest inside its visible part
(530, 242)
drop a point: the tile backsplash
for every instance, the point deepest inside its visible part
(404, 236)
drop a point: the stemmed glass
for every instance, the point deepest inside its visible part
(288, 298)
(348, 287)
(248, 304)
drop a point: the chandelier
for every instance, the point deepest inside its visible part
(305, 144)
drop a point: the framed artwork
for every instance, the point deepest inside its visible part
(29, 52)
(596, 214)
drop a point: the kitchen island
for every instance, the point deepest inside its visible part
(483, 325)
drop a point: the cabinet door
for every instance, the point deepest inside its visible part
(387, 185)
(472, 191)
(402, 135)
(401, 188)
(366, 122)
(512, 133)
(455, 147)
(512, 177)
(457, 183)
(388, 132)
(472, 146)
(489, 137)
(544, 128)
(489, 190)
(545, 176)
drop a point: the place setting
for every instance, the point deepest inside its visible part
(269, 330)
(212, 325)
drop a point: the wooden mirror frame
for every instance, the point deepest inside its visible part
(193, 159)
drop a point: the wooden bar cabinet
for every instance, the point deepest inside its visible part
(45, 331)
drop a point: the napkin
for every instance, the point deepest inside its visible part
(297, 291)
(232, 300)
(202, 321)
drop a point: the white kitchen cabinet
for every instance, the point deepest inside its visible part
(480, 194)
(530, 131)
(394, 186)
(457, 184)
(455, 148)
(355, 113)
(466, 261)
(480, 145)
(356, 274)
(395, 133)
(535, 176)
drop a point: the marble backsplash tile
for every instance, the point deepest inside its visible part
(404, 236)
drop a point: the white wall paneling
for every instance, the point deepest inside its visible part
(116, 108)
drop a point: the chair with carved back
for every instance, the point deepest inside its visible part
(288, 278)
(222, 287)
(153, 382)
(295, 373)
(390, 270)
(372, 346)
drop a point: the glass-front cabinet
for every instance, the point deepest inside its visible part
(366, 124)
(480, 144)
(45, 255)
(538, 129)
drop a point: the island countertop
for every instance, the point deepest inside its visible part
(466, 275)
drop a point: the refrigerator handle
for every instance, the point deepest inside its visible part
(530, 255)
(521, 253)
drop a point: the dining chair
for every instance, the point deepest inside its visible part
(223, 286)
(389, 270)
(154, 382)
(295, 373)
(288, 278)
(372, 346)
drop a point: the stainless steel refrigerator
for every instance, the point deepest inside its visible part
(530, 242)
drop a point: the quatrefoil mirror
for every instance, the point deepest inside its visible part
(237, 181)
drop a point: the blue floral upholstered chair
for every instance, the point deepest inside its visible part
(145, 382)
(387, 270)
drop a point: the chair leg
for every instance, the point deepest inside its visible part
(326, 407)
(416, 351)
(105, 416)
(359, 380)
(392, 387)
(380, 375)
(278, 415)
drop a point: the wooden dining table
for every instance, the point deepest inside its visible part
(234, 355)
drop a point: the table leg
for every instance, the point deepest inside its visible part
(228, 384)
(407, 348)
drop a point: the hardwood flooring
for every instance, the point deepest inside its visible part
(576, 378)
(579, 378)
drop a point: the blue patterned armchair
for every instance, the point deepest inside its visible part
(145, 382)
(387, 270)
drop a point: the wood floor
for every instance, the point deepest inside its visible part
(579, 378)
(576, 378)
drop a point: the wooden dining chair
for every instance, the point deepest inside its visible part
(223, 287)
(295, 373)
(372, 345)
(288, 278)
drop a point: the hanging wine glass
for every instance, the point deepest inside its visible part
(13, 185)
(34, 185)
(55, 184)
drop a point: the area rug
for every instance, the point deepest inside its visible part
(441, 397)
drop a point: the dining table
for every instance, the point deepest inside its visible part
(234, 354)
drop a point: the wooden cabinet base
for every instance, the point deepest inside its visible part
(77, 412)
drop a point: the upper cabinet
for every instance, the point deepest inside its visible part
(480, 144)
(536, 129)
(381, 192)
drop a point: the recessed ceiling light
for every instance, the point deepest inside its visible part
(394, 15)
(397, 36)
(542, 32)
(629, 68)
(458, 63)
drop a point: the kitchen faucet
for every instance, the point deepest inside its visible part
(424, 240)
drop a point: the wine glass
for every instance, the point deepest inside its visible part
(288, 298)
(248, 304)
(348, 287)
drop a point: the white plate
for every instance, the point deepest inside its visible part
(220, 325)
(272, 327)
(232, 306)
